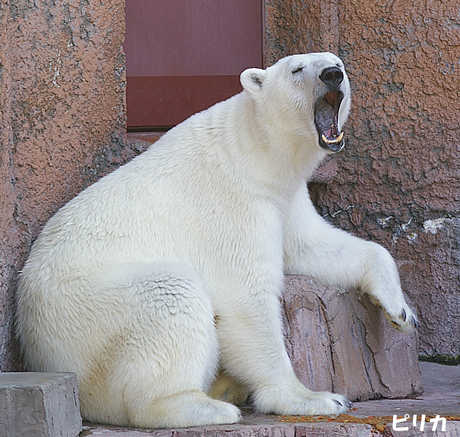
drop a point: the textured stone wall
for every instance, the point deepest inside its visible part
(300, 26)
(398, 181)
(62, 121)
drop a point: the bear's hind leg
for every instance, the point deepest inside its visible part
(165, 356)
(188, 408)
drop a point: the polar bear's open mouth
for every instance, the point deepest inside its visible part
(326, 121)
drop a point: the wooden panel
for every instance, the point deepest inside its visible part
(171, 99)
(192, 37)
(183, 56)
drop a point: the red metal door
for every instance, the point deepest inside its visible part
(183, 56)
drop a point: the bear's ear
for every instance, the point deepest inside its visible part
(252, 80)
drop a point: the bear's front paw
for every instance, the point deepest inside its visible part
(404, 320)
(400, 316)
(327, 403)
(301, 403)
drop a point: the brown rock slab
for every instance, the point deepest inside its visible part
(339, 341)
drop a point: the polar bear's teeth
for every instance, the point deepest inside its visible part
(336, 141)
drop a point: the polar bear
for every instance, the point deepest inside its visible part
(171, 267)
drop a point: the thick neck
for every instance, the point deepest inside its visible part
(281, 160)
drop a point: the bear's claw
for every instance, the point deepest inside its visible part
(404, 315)
(348, 403)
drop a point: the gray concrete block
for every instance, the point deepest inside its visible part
(39, 405)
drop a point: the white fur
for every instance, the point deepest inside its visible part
(175, 261)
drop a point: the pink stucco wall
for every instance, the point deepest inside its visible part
(62, 121)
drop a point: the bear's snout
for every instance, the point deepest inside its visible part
(332, 77)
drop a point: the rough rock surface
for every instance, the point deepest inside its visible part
(339, 341)
(62, 122)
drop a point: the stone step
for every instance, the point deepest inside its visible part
(272, 426)
(39, 405)
(252, 426)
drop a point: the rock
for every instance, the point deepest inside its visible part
(339, 341)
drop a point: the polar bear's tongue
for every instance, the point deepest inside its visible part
(326, 120)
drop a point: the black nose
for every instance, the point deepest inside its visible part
(332, 76)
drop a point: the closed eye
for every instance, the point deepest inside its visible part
(297, 70)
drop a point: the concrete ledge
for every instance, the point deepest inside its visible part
(275, 428)
(267, 429)
(39, 404)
